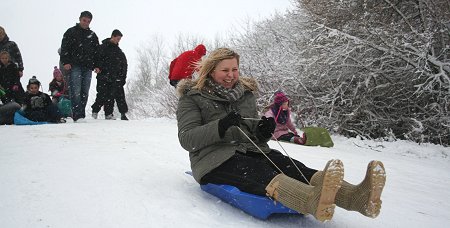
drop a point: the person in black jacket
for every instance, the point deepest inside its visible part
(13, 50)
(10, 80)
(38, 106)
(111, 78)
(78, 51)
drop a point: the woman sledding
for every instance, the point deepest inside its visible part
(227, 146)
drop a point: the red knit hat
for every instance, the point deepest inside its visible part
(56, 72)
(280, 98)
(200, 50)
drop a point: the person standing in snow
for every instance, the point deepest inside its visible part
(216, 124)
(78, 51)
(13, 50)
(285, 129)
(184, 65)
(111, 78)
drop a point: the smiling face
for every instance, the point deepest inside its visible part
(33, 88)
(226, 73)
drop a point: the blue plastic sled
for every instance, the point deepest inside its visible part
(22, 120)
(258, 206)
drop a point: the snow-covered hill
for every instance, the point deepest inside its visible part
(131, 174)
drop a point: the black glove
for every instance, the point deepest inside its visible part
(232, 119)
(265, 128)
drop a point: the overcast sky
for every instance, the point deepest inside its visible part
(38, 26)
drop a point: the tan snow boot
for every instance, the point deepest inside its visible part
(364, 197)
(306, 199)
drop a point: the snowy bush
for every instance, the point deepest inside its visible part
(372, 69)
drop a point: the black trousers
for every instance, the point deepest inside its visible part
(252, 172)
(7, 112)
(107, 93)
(50, 113)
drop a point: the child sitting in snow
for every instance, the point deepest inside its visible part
(38, 106)
(57, 86)
(285, 129)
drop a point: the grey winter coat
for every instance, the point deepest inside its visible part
(198, 115)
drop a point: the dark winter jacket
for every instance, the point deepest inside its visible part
(10, 82)
(9, 76)
(79, 47)
(36, 102)
(13, 50)
(112, 63)
(198, 117)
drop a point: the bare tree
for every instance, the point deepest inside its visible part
(150, 94)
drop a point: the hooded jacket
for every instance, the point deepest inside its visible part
(198, 115)
(112, 62)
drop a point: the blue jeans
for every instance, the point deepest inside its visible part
(79, 84)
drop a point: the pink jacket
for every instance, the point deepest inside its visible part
(282, 129)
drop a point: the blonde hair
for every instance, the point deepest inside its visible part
(207, 66)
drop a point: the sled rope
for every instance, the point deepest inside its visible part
(291, 159)
(259, 149)
(301, 173)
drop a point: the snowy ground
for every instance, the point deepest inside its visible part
(131, 174)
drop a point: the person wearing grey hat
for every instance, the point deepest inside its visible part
(79, 48)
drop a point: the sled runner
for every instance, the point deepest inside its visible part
(260, 207)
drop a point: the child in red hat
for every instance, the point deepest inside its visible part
(285, 129)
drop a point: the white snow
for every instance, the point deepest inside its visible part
(132, 174)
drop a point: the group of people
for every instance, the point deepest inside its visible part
(217, 117)
(33, 104)
(80, 54)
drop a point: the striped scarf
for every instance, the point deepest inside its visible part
(231, 95)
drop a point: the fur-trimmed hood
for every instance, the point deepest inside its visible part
(185, 85)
